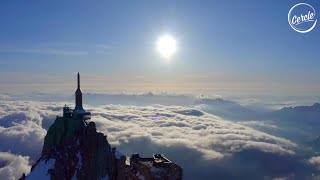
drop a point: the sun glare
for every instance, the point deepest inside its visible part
(166, 46)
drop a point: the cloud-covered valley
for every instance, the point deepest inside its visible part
(213, 137)
(204, 144)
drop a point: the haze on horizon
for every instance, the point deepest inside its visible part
(222, 47)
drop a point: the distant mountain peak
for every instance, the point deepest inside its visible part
(314, 107)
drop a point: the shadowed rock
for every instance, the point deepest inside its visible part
(78, 150)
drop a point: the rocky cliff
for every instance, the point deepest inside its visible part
(75, 150)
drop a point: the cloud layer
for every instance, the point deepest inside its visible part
(12, 166)
(213, 137)
(203, 144)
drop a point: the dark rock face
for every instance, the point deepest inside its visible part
(74, 149)
(158, 167)
(79, 151)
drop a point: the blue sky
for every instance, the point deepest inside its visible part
(222, 46)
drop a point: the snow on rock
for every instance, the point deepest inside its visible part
(118, 154)
(41, 170)
(105, 178)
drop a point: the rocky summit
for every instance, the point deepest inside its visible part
(73, 149)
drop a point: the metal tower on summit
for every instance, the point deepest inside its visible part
(78, 112)
(78, 95)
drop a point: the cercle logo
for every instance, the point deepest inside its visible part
(302, 17)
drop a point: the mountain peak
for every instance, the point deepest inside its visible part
(73, 149)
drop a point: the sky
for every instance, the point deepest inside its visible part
(222, 47)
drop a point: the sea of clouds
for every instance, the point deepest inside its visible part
(206, 145)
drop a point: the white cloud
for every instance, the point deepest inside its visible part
(13, 166)
(182, 133)
(22, 126)
(261, 123)
(45, 51)
(169, 125)
(315, 161)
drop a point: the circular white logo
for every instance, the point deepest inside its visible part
(302, 17)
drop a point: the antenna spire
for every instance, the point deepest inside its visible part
(78, 80)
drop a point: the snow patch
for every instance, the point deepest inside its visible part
(41, 170)
(105, 178)
(79, 165)
(118, 155)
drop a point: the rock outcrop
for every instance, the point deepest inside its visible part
(75, 150)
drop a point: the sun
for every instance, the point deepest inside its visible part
(166, 46)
